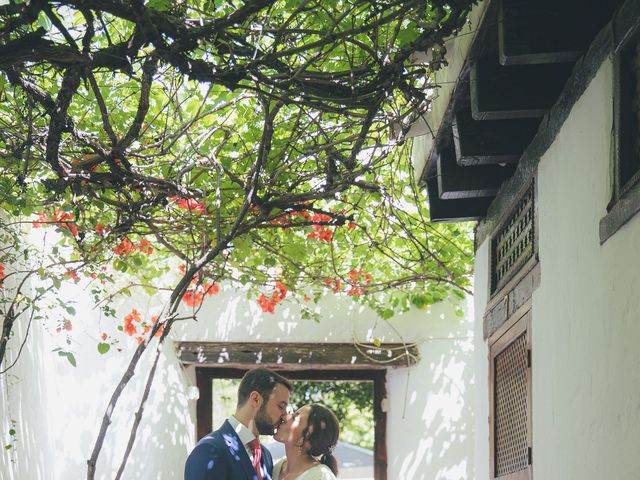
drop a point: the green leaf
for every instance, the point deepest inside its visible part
(69, 356)
(103, 348)
(458, 293)
(159, 5)
(70, 310)
(149, 290)
(43, 21)
(387, 313)
(119, 265)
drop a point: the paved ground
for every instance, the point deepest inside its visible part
(355, 463)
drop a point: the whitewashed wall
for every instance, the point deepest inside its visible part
(58, 408)
(585, 313)
(430, 421)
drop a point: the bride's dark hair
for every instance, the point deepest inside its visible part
(322, 434)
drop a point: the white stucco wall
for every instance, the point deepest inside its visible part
(59, 408)
(430, 418)
(31, 450)
(585, 323)
(481, 363)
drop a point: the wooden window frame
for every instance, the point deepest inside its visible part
(625, 198)
(204, 414)
(497, 290)
(518, 324)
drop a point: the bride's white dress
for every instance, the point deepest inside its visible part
(319, 472)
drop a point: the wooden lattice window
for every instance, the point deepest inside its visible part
(628, 107)
(625, 201)
(514, 244)
(510, 402)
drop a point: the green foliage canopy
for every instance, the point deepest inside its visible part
(262, 143)
(267, 137)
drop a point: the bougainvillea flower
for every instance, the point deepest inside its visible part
(72, 274)
(190, 204)
(125, 247)
(267, 305)
(62, 220)
(129, 328)
(145, 247)
(102, 230)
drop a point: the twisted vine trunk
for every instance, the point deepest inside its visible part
(169, 312)
(7, 326)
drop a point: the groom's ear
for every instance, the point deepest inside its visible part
(256, 399)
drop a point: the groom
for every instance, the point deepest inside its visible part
(233, 452)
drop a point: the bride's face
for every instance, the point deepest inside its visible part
(290, 432)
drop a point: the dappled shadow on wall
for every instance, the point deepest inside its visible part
(439, 414)
(230, 316)
(165, 434)
(27, 453)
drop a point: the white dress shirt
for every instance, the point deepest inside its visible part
(244, 434)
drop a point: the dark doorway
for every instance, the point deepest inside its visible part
(351, 455)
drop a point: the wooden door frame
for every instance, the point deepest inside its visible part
(204, 413)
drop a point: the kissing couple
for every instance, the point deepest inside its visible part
(233, 452)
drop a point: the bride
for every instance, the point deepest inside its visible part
(309, 436)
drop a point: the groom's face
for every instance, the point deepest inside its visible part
(273, 410)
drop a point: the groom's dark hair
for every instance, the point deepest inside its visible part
(262, 381)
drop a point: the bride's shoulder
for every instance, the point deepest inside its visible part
(277, 468)
(321, 472)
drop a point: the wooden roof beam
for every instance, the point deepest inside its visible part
(456, 182)
(490, 142)
(298, 355)
(507, 92)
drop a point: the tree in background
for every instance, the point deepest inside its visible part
(351, 401)
(260, 143)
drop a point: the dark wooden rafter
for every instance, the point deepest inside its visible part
(291, 356)
(496, 142)
(455, 210)
(548, 31)
(516, 71)
(456, 182)
(514, 92)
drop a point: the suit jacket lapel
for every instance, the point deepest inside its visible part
(237, 450)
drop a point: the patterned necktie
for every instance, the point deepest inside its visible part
(257, 454)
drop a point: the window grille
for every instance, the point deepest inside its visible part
(513, 245)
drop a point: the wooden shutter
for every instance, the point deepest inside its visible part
(510, 402)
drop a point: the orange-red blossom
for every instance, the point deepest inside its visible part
(356, 279)
(194, 297)
(268, 304)
(63, 220)
(125, 247)
(131, 329)
(190, 204)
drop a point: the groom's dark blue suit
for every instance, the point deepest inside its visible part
(222, 456)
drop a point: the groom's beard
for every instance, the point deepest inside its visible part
(264, 424)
